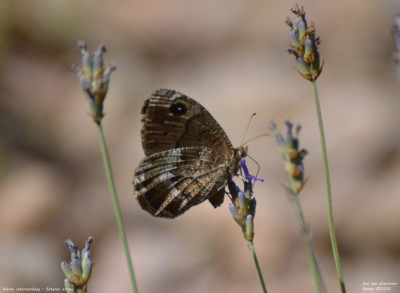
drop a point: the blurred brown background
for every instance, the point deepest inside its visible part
(230, 55)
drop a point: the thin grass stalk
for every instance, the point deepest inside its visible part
(312, 260)
(117, 210)
(328, 191)
(260, 275)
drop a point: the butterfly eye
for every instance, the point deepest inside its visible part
(178, 108)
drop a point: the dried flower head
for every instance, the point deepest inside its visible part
(243, 206)
(94, 78)
(292, 156)
(78, 271)
(304, 45)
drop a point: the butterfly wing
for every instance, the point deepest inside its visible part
(171, 120)
(188, 156)
(169, 182)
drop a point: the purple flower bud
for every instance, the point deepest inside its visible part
(298, 128)
(88, 242)
(289, 126)
(87, 267)
(303, 67)
(98, 62)
(70, 287)
(278, 136)
(66, 268)
(301, 26)
(86, 259)
(242, 200)
(303, 153)
(75, 257)
(249, 228)
(294, 37)
(86, 58)
(234, 211)
(308, 46)
(316, 64)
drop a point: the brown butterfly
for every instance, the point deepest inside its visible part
(189, 157)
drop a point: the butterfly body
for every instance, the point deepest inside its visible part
(189, 158)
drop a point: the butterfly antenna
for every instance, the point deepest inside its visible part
(247, 127)
(255, 162)
(258, 136)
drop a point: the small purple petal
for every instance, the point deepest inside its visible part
(247, 174)
(244, 167)
(251, 177)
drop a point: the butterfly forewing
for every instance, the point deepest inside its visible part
(171, 119)
(188, 156)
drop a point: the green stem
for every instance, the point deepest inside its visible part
(117, 210)
(328, 191)
(260, 276)
(312, 260)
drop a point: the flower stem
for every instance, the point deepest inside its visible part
(312, 260)
(117, 210)
(328, 190)
(260, 276)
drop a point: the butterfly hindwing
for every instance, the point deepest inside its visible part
(169, 182)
